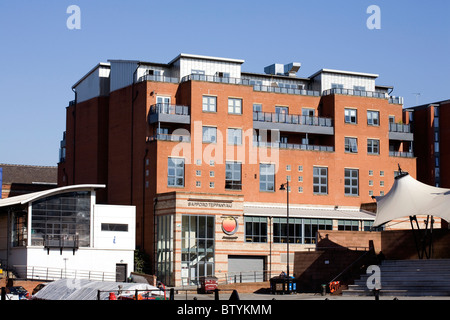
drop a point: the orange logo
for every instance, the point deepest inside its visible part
(229, 225)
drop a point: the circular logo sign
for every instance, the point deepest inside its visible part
(229, 225)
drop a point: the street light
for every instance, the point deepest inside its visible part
(285, 186)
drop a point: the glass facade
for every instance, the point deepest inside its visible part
(197, 247)
(164, 254)
(62, 219)
(301, 231)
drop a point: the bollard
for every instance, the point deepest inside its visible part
(376, 293)
(216, 294)
(3, 295)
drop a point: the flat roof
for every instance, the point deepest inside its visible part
(196, 56)
(352, 73)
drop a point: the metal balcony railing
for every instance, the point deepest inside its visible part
(293, 146)
(170, 137)
(277, 89)
(165, 108)
(364, 93)
(398, 127)
(401, 154)
(292, 119)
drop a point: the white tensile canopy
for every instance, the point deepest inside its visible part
(409, 197)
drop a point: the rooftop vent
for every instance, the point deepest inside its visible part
(289, 69)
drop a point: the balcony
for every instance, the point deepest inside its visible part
(169, 137)
(161, 112)
(400, 132)
(363, 93)
(249, 82)
(401, 154)
(216, 79)
(293, 146)
(292, 123)
(158, 78)
(276, 89)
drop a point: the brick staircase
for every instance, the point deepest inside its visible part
(408, 278)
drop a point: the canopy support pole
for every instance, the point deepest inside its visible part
(425, 246)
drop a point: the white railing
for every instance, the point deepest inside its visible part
(47, 273)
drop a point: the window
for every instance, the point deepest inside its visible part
(288, 167)
(233, 175)
(209, 134)
(198, 184)
(211, 184)
(351, 182)
(209, 104)
(351, 145)
(373, 146)
(348, 225)
(163, 100)
(235, 136)
(280, 230)
(115, 227)
(234, 106)
(175, 172)
(211, 174)
(196, 71)
(266, 177)
(300, 168)
(359, 88)
(320, 180)
(257, 107)
(350, 116)
(197, 240)
(337, 86)
(370, 172)
(300, 178)
(198, 173)
(373, 118)
(255, 229)
(301, 231)
(64, 216)
(300, 189)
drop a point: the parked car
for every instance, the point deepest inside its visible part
(18, 291)
(38, 287)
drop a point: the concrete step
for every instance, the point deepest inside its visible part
(408, 278)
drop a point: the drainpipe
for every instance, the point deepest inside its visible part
(143, 201)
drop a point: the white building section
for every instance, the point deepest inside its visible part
(63, 233)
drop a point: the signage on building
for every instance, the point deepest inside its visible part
(202, 203)
(229, 225)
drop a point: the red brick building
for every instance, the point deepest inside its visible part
(16, 180)
(432, 142)
(201, 149)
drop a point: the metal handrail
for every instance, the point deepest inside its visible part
(292, 119)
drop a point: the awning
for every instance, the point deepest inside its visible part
(308, 212)
(409, 197)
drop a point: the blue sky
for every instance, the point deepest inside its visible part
(40, 58)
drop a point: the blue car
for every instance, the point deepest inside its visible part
(19, 291)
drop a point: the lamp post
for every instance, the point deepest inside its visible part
(285, 186)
